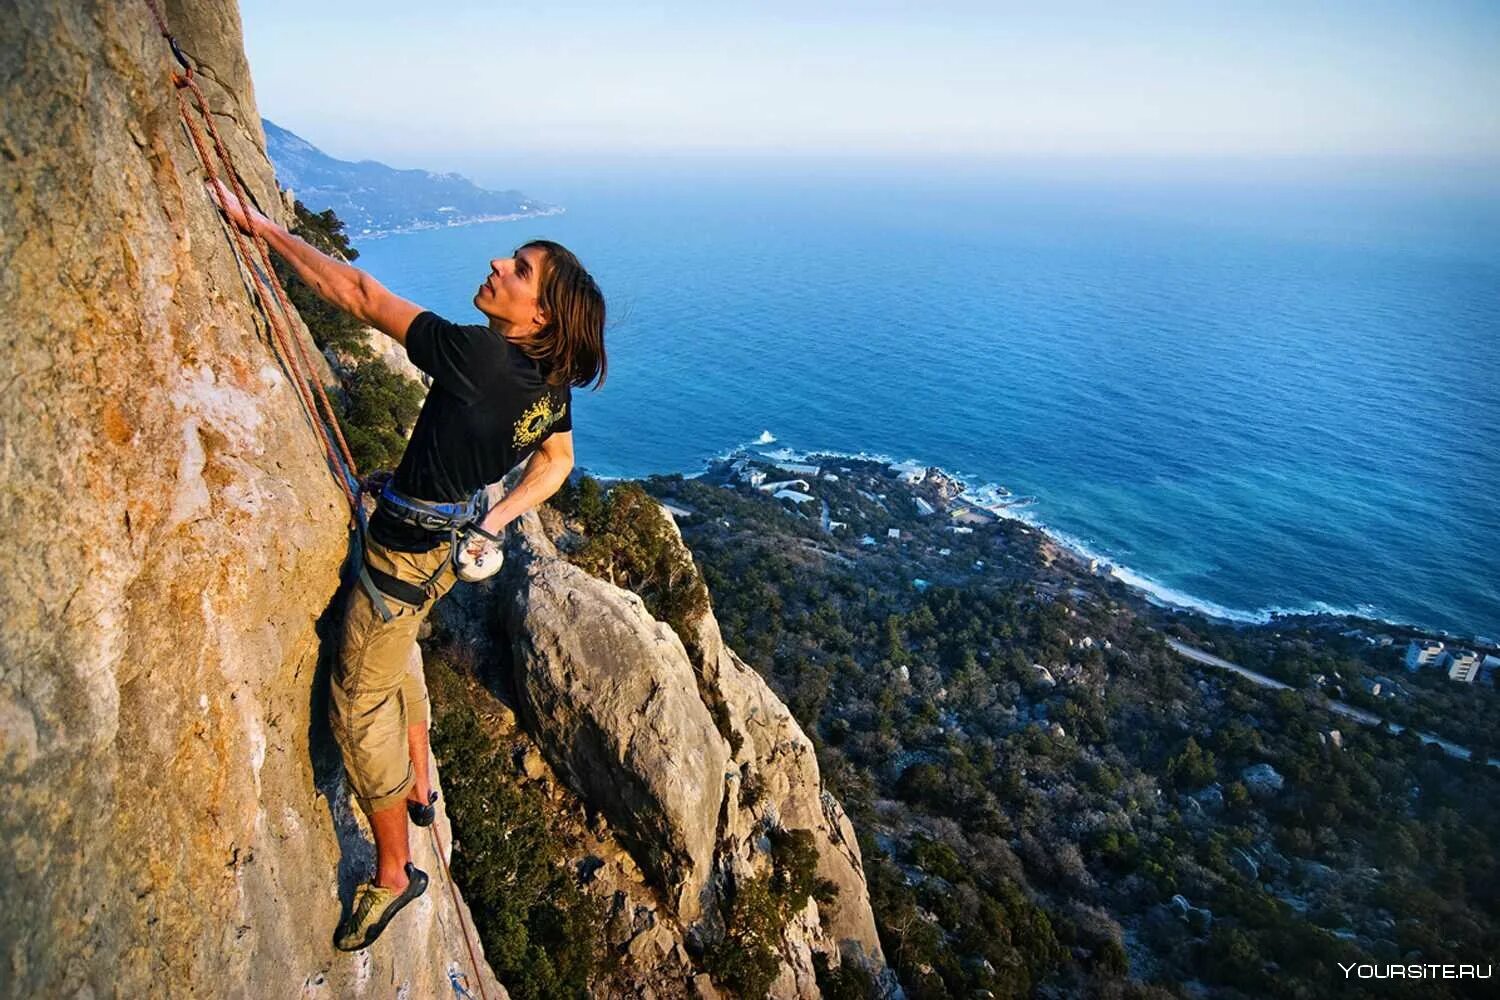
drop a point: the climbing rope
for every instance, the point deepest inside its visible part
(275, 306)
(437, 845)
(291, 351)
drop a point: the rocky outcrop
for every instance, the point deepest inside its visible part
(621, 709)
(608, 693)
(393, 356)
(777, 782)
(176, 822)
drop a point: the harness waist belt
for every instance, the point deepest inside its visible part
(432, 516)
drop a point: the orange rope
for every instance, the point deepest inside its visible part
(265, 257)
(284, 338)
(437, 845)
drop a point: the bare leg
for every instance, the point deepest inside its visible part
(392, 851)
(416, 745)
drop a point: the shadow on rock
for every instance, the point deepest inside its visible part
(356, 848)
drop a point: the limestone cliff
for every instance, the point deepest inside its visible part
(625, 715)
(176, 822)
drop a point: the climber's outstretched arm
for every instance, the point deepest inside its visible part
(545, 471)
(336, 282)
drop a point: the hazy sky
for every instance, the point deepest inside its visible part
(437, 83)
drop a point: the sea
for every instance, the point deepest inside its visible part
(1250, 391)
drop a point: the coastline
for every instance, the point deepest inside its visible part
(467, 220)
(998, 501)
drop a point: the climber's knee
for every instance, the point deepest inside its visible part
(370, 727)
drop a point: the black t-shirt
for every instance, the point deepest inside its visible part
(488, 408)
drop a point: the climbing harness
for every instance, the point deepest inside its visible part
(463, 522)
(293, 355)
(460, 519)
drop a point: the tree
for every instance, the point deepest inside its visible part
(1193, 767)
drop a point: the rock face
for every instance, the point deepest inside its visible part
(176, 822)
(619, 706)
(777, 760)
(609, 695)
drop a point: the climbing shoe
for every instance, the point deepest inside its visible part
(373, 908)
(423, 815)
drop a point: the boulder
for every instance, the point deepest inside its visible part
(1262, 780)
(608, 693)
(624, 709)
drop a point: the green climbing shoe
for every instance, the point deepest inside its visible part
(373, 908)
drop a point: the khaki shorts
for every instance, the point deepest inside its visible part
(378, 689)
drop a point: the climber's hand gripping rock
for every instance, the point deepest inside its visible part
(243, 218)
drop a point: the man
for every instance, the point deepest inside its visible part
(501, 393)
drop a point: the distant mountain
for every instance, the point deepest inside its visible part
(374, 200)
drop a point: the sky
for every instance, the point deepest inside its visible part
(445, 84)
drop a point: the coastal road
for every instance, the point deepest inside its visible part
(1350, 711)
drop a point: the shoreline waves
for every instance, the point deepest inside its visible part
(996, 499)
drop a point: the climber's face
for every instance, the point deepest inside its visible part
(509, 292)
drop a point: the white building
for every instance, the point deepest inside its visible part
(909, 472)
(753, 476)
(923, 507)
(960, 529)
(793, 495)
(893, 533)
(799, 468)
(835, 525)
(830, 477)
(784, 484)
(1422, 653)
(1463, 666)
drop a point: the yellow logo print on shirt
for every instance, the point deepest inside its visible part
(537, 418)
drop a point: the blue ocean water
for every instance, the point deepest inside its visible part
(1254, 397)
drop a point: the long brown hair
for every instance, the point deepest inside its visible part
(570, 348)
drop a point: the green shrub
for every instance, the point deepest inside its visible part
(380, 408)
(847, 982)
(330, 327)
(746, 959)
(541, 933)
(1193, 767)
(631, 544)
